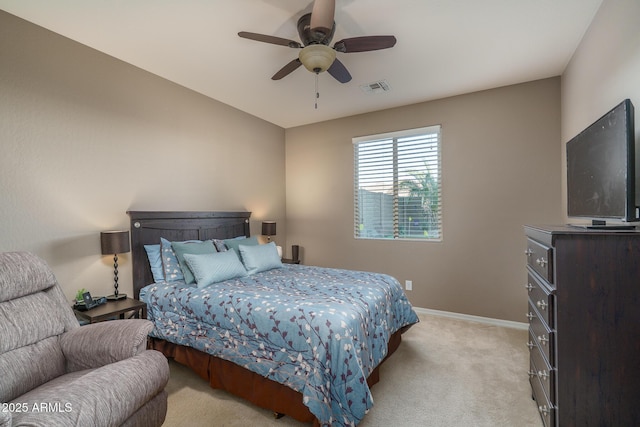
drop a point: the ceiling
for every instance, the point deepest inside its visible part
(444, 47)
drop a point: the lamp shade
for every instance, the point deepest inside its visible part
(114, 242)
(268, 228)
(317, 57)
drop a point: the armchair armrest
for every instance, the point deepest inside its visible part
(100, 344)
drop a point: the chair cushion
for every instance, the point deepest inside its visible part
(20, 326)
(28, 367)
(22, 273)
(30, 352)
(30, 327)
(106, 396)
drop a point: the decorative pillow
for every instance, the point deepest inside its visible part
(220, 246)
(215, 267)
(260, 258)
(235, 243)
(183, 248)
(155, 261)
(170, 264)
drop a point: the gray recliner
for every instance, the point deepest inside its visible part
(53, 372)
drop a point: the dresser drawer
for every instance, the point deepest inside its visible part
(546, 375)
(541, 296)
(546, 409)
(540, 259)
(542, 334)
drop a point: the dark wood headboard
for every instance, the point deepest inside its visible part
(148, 226)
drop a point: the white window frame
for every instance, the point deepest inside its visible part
(389, 179)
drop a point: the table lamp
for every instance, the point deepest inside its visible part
(115, 242)
(268, 229)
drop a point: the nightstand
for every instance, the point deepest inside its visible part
(290, 261)
(124, 309)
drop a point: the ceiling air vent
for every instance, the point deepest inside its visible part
(376, 87)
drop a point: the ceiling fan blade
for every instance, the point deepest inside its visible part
(339, 71)
(365, 44)
(322, 16)
(269, 39)
(287, 69)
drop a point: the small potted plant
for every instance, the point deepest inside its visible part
(79, 294)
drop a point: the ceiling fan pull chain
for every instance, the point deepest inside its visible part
(317, 93)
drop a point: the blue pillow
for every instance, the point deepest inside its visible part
(235, 243)
(260, 258)
(170, 264)
(155, 262)
(183, 248)
(215, 267)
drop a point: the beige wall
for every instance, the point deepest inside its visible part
(85, 137)
(500, 169)
(604, 70)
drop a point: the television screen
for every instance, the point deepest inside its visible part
(601, 181)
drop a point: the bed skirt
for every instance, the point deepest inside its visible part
(261, 391)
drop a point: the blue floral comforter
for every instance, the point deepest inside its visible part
(319, 331)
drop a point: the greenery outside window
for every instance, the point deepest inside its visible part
(397, 191)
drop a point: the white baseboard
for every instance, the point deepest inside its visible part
(472, 318)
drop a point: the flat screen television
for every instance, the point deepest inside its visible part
(601, 171)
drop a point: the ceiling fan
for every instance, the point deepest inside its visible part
(316, 30)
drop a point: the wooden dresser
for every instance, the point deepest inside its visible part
(584, 325)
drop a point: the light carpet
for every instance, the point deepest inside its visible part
(446, 372)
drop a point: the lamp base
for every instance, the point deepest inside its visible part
(114, 297)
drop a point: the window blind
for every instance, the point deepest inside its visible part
(397, 191)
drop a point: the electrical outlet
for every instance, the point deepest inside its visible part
(408, 285)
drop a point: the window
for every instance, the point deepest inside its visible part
(397, 185)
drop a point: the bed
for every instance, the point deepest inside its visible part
(302, 341)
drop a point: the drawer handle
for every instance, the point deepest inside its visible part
(528, 252)
(529, 287)
(541, 262)
(531, 344)
(543, 410)
(543, 375)
(543, 340)
(530, 316)
(531, 373)
(541, 305)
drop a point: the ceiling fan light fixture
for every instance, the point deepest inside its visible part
(317, 57)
